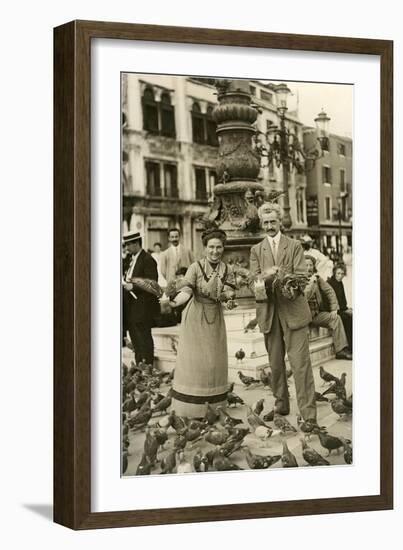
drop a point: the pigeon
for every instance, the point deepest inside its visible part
(327, 377)
(306, 426)
(247, 380)
(329, 442)
(312, 457)
(130, 403)
(256, 462)
(200, 462)
(258, 407)
(222, 464)
(265, 378)
(238, 433)
(143, 399)
(287, 458)
(144, 467)
(180, 442)
(240, 354)
(163, 404)
(231, 445)
(281, 423)
(151, 446)
(161, 436)
(337, 388)
(192, 434)
(140, 420)
(251, 325)
(124, 462)
(254, 420)
(216, 437)
(319, 397)
(211, 415)
(168, 463)
(262, 432)
(340, 407)
(348, 451)
(183, 466)
(177, 422)
(227, 420)
(234, 399)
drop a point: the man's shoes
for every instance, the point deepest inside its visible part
(344, 354)
(269, 417)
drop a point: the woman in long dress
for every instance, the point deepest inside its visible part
(201, 371)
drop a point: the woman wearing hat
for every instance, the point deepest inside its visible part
(201, 372)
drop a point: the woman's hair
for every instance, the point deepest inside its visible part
(268, 207)
(209, 234)
(339, 266)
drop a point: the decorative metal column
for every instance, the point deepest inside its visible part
(237, 193)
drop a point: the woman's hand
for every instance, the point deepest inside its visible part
(128, 286)
(231, 304)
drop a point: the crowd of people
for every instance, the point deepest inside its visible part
(295, 286)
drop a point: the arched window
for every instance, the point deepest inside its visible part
(167, 116)
(211, 127)
(150, 112)
(197, 124)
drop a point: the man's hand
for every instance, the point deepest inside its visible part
(349, 311)
(128, 286)
(270, 273)
(333, 315)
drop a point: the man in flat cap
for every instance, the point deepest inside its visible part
(139, 307)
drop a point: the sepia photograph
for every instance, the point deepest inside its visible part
(236, 274)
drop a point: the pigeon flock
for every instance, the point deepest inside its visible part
(243, 435)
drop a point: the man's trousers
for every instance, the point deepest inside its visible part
(278, 341)
(323, 319)
(142, 340)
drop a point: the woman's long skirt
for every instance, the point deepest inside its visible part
(201, 371)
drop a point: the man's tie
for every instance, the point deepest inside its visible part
(274, 250)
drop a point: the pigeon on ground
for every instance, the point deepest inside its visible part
(257, 462)
(327, 377)
(234, 399)
(258, 407)
(312, 457)
(348, 451)
(168, 463)
(287, 458)
(281, 423)
(248, 381)
(329, 442)
(251, 325)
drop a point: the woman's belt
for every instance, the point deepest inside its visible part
(205, 300)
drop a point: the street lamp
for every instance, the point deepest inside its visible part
(285, 149)
(343, 195)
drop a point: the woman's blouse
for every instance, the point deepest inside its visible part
(208, 281)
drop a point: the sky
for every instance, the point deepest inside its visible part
(335, 99)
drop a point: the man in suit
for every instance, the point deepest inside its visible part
(175, 256)
(324, 308)
(284, 321)
(139, 307)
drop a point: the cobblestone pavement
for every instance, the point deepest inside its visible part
(273, 445)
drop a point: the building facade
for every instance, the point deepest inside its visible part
(329, 194)
(169, 153)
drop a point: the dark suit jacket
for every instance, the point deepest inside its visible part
(146, 306)
(290, 257)
(338, 287)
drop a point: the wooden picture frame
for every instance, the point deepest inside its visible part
(72, 270)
